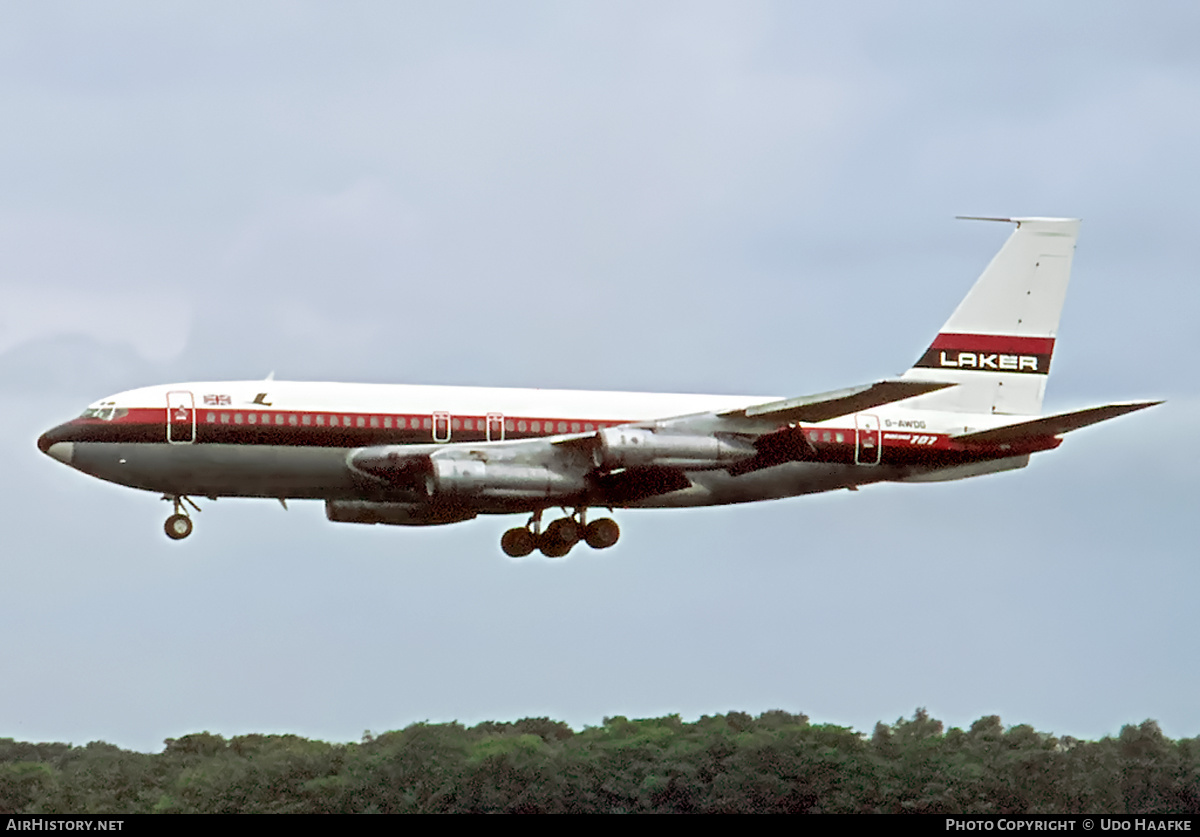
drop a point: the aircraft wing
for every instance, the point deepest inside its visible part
(841, 402)
(1053, 425)
(638, 459)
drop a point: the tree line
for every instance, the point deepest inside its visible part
(776, 762)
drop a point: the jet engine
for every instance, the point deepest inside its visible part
(469, 477)
(631, 447)
(455, 476)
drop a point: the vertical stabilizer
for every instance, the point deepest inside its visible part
(998, 343)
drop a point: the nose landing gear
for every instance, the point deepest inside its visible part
(179, 524)
(560, 536)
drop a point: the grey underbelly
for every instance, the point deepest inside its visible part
(223, 470)
(322, 473)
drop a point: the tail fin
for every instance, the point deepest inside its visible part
(997, 344)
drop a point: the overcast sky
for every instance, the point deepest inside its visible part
(695, 197)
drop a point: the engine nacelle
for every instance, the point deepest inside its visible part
(454, 477)
(392, 514)
(630, 447)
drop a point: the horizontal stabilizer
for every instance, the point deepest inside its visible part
(842, 402)
(1054, 425)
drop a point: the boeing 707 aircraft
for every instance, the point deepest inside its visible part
(427, 455)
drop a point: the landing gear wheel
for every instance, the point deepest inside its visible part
(517, 543)
(559, 537)
(602, 533)
(552, 547)
(178, 527)
(564, 530)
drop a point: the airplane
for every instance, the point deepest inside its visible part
(428, 455)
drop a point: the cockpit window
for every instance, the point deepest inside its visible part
(105, 413)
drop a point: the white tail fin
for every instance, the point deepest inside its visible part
(998, 343)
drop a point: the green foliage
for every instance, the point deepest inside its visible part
(23, 782)
(776, 763)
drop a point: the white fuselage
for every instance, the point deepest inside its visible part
(292, 440)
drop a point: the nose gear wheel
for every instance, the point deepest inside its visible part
(178, 527)
(179, 524)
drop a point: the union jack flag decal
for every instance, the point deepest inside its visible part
(217, 400)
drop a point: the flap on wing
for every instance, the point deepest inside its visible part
(1054, 425)
(828, 405)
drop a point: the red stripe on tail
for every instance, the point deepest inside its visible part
(994, 343)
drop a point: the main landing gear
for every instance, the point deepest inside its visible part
(560, 536)
(179, 525)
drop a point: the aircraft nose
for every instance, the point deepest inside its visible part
(53, 445)
(64, 452)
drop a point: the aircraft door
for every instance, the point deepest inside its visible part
(868, 441)
(495, 427)
(181, 417)
(441, 427)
